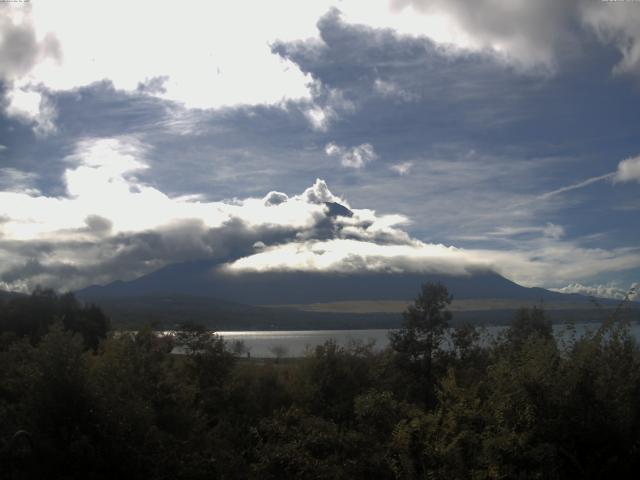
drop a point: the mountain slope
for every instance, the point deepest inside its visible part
(203, 278)
(201, 292)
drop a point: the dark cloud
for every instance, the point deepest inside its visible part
(533, 34)
(128, 255)
(98, 225)
(153, 85)
(19, 48)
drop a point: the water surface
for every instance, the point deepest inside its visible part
(295, 343)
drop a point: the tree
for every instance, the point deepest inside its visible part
(423, 328)
(279, 351)
(529, 322)
(31, 316)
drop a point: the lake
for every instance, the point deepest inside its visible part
(294, 343)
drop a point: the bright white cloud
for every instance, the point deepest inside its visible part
(319, 118)
(319, 193)
(356, 255)
(211, 54)
(547, 263)
(604, 291)
(354, 157)
(31, 107)
(628, 170)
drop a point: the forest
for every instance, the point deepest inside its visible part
(79, 399)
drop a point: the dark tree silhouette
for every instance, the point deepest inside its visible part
(423, 328)
(31, 316)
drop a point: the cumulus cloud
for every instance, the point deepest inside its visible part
(319, 193)
(628, 170)
(275, 198)
(354, 157)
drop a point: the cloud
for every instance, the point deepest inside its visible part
(111, 225)
(275, 198)
(221, 56)
(528, 34)
(575, 186)
(402, 168)
(20, 49)
(604, 291)
(549, 230)
(617, 23)
(539, 35)
(628, 170)
(14, 180)
(354, 157)
(20, 52)
(391, 90)
(350, 255)
(553, 231)
(319, 193)
(205, 57)
(32, 106)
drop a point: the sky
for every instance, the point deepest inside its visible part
(503, 136)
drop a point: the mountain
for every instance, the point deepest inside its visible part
(204, 278)
(201, 291)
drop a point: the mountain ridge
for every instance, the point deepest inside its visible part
(206, 278)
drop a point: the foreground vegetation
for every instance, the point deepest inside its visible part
(77, 401)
